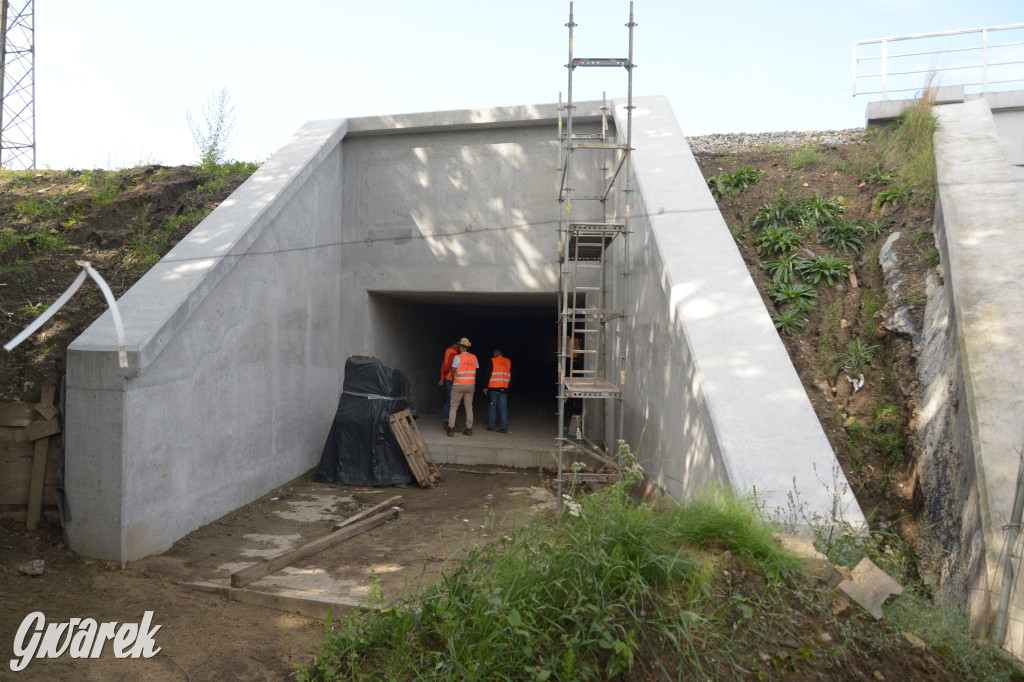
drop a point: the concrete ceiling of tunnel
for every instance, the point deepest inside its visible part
(475, 298)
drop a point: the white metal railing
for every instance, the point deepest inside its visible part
(976, 58)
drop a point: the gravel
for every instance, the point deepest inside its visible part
(721, 143)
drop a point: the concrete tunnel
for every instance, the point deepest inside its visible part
(523, 326)
(392, 236)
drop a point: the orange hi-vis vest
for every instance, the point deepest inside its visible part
(446, 367)
(465, 373)
(501, 372)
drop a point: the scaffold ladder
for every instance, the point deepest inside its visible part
(591, 334)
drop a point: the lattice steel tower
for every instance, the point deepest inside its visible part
(17, 85)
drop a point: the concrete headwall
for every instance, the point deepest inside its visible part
(712, 395)
(237, 339)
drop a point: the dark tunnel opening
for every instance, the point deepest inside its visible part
(414, 329)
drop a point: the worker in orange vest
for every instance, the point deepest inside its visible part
(497, 386)
(463, 387)
(446, 374)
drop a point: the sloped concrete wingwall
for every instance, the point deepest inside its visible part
(234, 364)
(711, 392)
(970, 464)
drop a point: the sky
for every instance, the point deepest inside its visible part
(116, 80)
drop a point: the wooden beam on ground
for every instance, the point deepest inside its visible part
(314, 608)
(35, 488)
(275, 563)
(391, 501)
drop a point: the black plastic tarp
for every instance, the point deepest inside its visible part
(361, 448)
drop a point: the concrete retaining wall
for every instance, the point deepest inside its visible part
(712, 395)
(970, 468)
(237, 339)
(234, 363)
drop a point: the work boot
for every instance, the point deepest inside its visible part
(450, 431)
(502, 430)
(467, 432)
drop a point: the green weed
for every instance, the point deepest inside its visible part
(798, 295)
(897, 196)
(857, 356)
(778, 213)
(213, 135)
(817, 210)
(875, 228)
(826, 345)
(775, 241)
(831, 269)
(802, 157)
(843, 236)
(735, 183)
(784, 270)
(789, 320)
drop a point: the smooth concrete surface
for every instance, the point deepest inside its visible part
(712, 396)
(234, 366)
(393, 236)
(981, 238)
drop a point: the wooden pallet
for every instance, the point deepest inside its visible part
(413, 447)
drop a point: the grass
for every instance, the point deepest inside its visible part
(614, 589)
(575, 599)
(802, 157)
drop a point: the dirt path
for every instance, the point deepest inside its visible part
(207, 637)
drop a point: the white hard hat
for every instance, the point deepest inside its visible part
(464, 342)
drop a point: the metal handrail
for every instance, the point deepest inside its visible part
(983, 63)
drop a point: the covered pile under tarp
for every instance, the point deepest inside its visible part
(361, 449)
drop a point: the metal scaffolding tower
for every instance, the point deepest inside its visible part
(589, 330)
(17, 85)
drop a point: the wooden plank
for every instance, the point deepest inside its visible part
(45, 407)
(16, 414)
(419, 437)
(275, 563)
(314, 608)
(368, 512)
(41, 429)
(47, 411)
(402, 426)
(35, 489)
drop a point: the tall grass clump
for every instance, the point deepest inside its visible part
(570, 598)
(907, 143)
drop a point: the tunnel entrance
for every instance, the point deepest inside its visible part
(411, 330)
